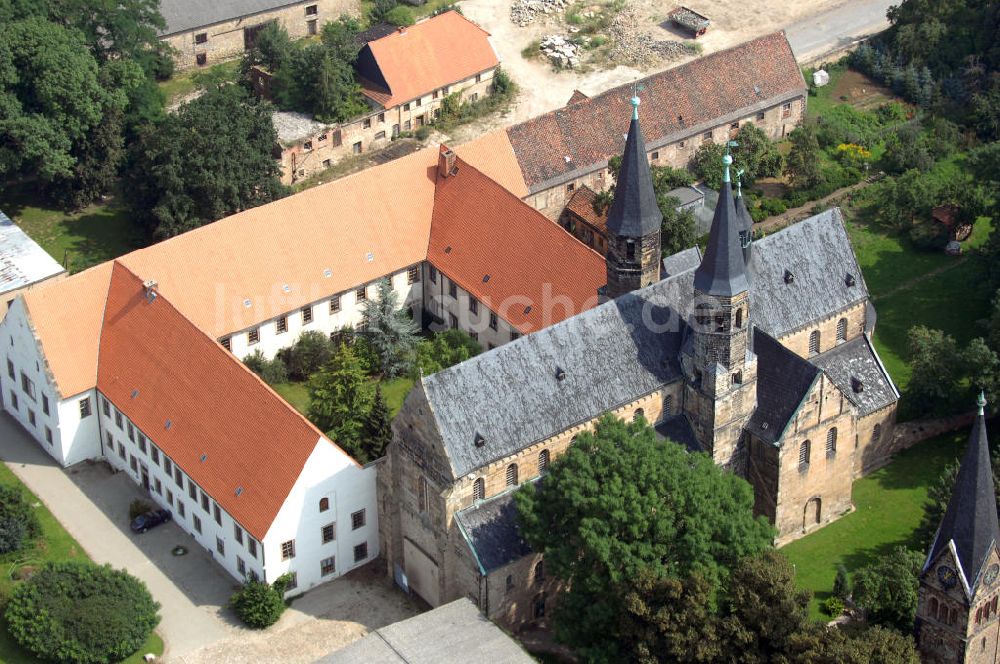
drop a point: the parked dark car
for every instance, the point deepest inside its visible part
(150, 519)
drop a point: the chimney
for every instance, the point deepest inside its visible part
(446, 163)
(150, 286)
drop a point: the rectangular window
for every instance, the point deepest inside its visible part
(760, 115)
(334, 304)
(735, 126)
(327, 566)
(356, 148)
(367, 123)
(322, 138)
(706, 137)
(201, 59)
(473, 305)
(158, 486)
(237, 533)
(361, 552)
(252, 546)
(329, 532)
(118, 419)
(293, 581)
(281, 326)
(407, 125)
(31, 417)
(338, 138)
(570, 187)
(241, 566)
(406, 106)
(10, 369)
(142, 443)
(435, 94)
(452, 288)
(131, 431)
(121, 451)
(48, 435)
(204, 502)
(133, 463)
(514, 336)
(311, 10)
(380, 136)
(13, 399)
(475, 96)
(452, 321)
(179, 478)
(154, 454)
(288, 550)
(201, 38)
(361, 294)
(217, 513)
(220, 546)
(192, 491)
(312, 27)
(326, 163)
(253, 336)
(180, 507)
(307, 146)
(434, 274)
(106, 407)
(413, 275)
(168, 465)
(197, 524)
(786, 110)
(307, 315)
(170, 497)
(84, 407)
(656, 155)
(27, 385)
(493, 321)
(358, 520)
(381, 117)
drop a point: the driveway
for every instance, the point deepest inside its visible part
(837, 28)
(92, 503)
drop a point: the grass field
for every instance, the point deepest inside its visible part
(54, 545)
(889, 506)
(394, 390)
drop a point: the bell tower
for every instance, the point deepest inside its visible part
(633, 258)
(721, 368)
(957, 612)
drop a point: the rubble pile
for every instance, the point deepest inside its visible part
(560, 50)
(523, 12)
(632, 45)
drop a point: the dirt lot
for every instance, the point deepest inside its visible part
(325, 619)
(860, 91)
(544, 89)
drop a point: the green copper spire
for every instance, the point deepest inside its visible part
(739, 183)
(727, 161)
(981, 401)
(635, 107)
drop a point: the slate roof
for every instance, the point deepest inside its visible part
(682, 100)
(723, 270)
(682, 261)
(512, 397)
(22, 261)
(456, 631)
(742, 214)
(970, 521)
(490, 528)
(686, 195)
(634, 212)
(818, 254)
(783, 381)
(183, 15)
(854, 364)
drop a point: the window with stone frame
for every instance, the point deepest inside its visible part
(512, 475)
(197, 524)
(452, 289)
(324, 504)
(543, 462)
(814, 342)
(334, 304)
(831, 442)
(361, 294)
(288, 550)
(479, 489)
(473, 305)
(493, 321)
(842, 329)
(361, 552)
(877, 433)
(413, 274)
(220, 546)
(253, 336)
(307, 314)
(328, 533)
(668, 406)
(804, 455)
(281, 325)
(358, 520)
(327, 566)
(84, 407)
(237, 533)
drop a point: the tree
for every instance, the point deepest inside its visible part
(390, 330)
(210, 159)
(272, 49)
(754, 154)
(18, 521)
(81, 612)
(445, 349)
(339, 397)
(620, 502)
(309, 352)
(258, 604)
(819, 644)
(707, 164)
(887, 589)
(802, 162)
(376, 431)
(764, 608)
(678, 231)
(841, 584)
(945, 375)
(938, 496)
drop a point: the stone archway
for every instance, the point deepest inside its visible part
(812, 514)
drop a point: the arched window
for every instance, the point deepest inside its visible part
(324, 504)
(739, 318)
(637, 414)
(668, 406)
(831, 442)
(543, 462)
(934, 607)
(842, 329)
(804, 454)
(876, 433)
(512, 474)
(479, 489)
(540, 572)
(630, 249)
(814, 342)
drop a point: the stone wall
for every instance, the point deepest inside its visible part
(798, 340)
(211, 44)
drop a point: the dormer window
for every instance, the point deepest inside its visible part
(789, 277)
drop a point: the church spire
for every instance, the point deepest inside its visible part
(634, 212)
(745, 220)
(970, 522)
(723, 269)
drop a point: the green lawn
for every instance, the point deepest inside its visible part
(79, 239)
(395, 391)
(889, 506)
(54, 545)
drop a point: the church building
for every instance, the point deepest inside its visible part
(757, 353)
(957, 617)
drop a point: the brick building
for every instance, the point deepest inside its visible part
(957, 616)
(704, 100)
(206, 33)
(756, 353)
(405, 76)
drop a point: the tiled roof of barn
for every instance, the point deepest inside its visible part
(490, 528)
(803, 273)
(582, 205)
(590, 131)
(783, 380)
(857, 371)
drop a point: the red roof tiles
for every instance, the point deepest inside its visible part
(582, 205)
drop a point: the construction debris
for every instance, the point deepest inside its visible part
(523, 12)
(636, 47)
(561, 51)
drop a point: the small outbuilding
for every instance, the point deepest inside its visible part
(820, 78)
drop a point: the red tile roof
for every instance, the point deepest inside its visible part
(538, 273)
(228, 430)
(589, 131)
(582, 205)
(440, 51)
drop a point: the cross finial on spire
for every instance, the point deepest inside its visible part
(739, 182)
(981, 402)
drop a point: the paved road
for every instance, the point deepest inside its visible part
(838, 27)
(92, 504)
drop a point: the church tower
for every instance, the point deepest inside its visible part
(746, 221)
(633, 258)
(721, 369)
(957, 607)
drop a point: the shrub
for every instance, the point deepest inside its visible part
(137, 507)
(832, 606)
(445, 349)
(18, 521)
(399, 15)
(272, 371)
(773, 206)
(80, 612)
(309, 352)
(841, 584)
(422, 133)
(892, 113)
(502, 83)
(258, 604)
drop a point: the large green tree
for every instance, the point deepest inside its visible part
(390, 331)
(887, 589)
(445, 349)
(622, 502)
(945, 374)
(678, 231)
(754, 154)
(376, 430)
(340, 396)
(210, 159)
(802, 162)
